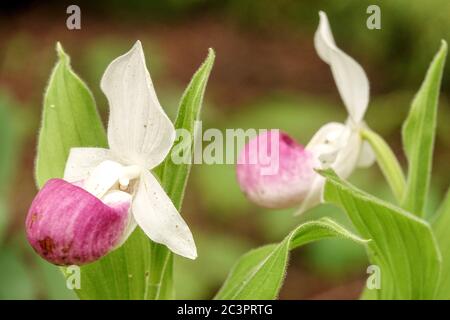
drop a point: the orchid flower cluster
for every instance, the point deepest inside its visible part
(335, 145)
(105, 194)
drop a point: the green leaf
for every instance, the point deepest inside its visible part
(174, 176)
(69, 119)
(259, 273)
(139, 269)
(418, 135)
(388, 163)
(402, 245)
(441, 227)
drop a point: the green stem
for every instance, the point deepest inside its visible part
(388, 163)
(160, 279)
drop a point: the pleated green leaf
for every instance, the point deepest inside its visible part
(174, 177)
(402, 245)
(69, 119)
(387, 162)
(259, 273)
(441, 226)
(418, 135)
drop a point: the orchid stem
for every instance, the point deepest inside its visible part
(388, 163)
(160, 282)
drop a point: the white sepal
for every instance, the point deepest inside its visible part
(139, 131)
(350, 78)
(155, 213)
(82, 161)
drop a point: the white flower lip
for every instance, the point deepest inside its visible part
(140, 135)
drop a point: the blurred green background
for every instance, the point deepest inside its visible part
(267, 75)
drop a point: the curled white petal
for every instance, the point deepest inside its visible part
(102, 178)
(336, 146)
(314, 196)
(350, 78)
(139, 131)
(327, 141)
(366, 156)
(340, 141)
(82, 161)
(155, 213)
(348, 156)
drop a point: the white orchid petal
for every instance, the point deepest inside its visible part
(159, 219)
(348, 155)
(102, 178)
(139, 131)
(327, 133)
(82, 161)
(366, 156)
(327, 143)
(339, 144)
(314, 196)
(350, 78)
(340, 141)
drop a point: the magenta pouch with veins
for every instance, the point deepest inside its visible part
(107, 193)
(291, 178)
(335, 145)
(68, 225)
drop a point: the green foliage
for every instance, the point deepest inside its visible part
(388, 163)
(440, 226)
(174, 176)
(174, 179)
(418, 135)
(69, 119)
(259, 274)
(402, 245)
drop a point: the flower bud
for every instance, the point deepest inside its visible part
(67, 225)
(292, 178)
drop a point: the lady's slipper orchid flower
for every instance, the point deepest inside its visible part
(106, 193)
(334, 145)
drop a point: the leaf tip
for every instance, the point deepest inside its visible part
(62, 55)
(443, 46)
(211, 54)
(326, 173)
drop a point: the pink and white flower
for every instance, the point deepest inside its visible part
(335, 145)
(106, 193)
